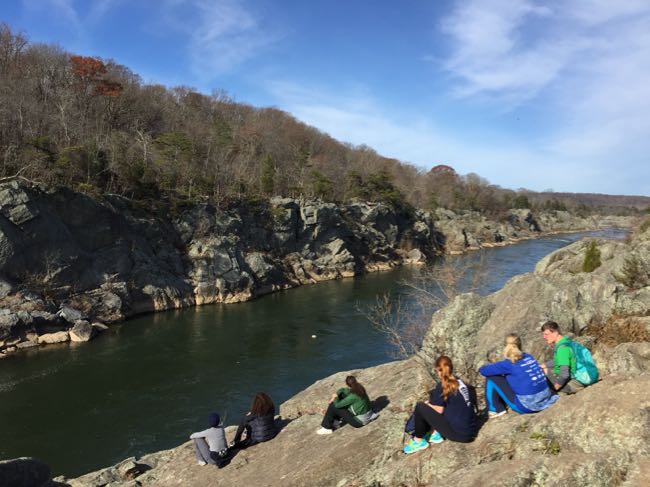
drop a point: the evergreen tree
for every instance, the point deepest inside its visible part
(592, 258)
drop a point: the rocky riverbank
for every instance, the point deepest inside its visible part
(598, 437)
(71, 263)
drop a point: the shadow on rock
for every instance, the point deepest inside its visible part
(380, 403)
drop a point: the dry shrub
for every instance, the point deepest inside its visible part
(405, 317)
(618, 329)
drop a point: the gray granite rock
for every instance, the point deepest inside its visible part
(82, 331)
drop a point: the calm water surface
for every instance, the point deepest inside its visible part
(146, 384)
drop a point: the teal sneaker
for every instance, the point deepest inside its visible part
(414, 446)
(436, 438)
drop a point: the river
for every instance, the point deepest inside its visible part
(146, 384)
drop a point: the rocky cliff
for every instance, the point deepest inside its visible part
(69, 263)
(598, 437)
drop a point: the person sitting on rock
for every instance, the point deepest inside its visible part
(448, 414)
(210, 445)
(350, 405)
(258, 423)
(559, 370)
(518, 382)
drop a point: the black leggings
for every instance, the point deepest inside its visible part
(344, 415)
(426, 419)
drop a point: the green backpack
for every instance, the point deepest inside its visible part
(586, 371)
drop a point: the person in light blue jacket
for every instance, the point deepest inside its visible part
(518, 382)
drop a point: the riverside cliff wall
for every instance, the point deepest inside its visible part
(69, 263)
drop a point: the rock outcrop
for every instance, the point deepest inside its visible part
(471, 230)
(598, 437)
(67, 258)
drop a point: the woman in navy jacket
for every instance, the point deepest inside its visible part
(518, 382)
(258, 423)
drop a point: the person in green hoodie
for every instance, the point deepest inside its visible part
(561, 370)
(350, 405)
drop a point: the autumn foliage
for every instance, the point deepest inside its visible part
(91, 72)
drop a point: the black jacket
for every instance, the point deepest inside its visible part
(262, 428)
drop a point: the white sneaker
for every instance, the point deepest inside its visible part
(494, 414)
(324, 431)
(201, 462)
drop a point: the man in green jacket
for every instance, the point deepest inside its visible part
(561, 370)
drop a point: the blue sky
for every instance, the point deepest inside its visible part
(525, 93)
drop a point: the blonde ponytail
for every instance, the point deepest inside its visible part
(512, 350)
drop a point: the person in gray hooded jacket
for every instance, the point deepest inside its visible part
(210, 445)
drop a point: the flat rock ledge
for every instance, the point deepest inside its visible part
(583, 440)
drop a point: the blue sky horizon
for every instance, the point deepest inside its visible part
(527, 94)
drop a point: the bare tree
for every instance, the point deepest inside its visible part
(405, 318)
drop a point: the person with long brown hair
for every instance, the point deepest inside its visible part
(517, 382)
(258, 423)
(448, 414)
(350, 405)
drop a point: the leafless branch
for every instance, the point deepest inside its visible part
(404, 318)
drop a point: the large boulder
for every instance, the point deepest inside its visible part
(71, 315)
(82, 331)
(9, 322)
(57, 337)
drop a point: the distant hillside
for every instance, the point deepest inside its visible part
(596, 199)
(93, 125)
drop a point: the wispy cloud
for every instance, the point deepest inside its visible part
(586, 61)
(63, 8)
(222, 34)
(353, 115)
(488, 53)
(80, 22)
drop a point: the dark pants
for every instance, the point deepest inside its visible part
(344, 415)
(570, 387)
(426, 419)
(499, 395)
(244, 426)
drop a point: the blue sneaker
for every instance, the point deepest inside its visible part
(436, 438)
(414, 446)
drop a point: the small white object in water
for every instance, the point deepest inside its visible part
(313, 336)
